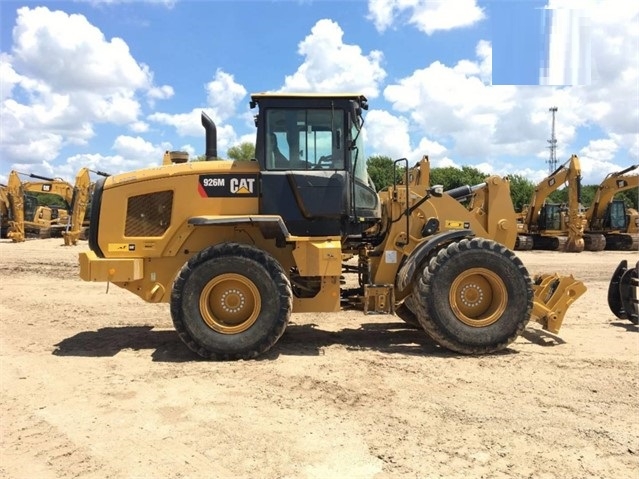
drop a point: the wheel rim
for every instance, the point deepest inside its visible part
(478, 297)
(230, 303)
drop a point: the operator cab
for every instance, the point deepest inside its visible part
(313, 168)
(616, 216)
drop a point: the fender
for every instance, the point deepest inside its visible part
(407, 270)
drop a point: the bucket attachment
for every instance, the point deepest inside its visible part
(622, 292)
(553, 296)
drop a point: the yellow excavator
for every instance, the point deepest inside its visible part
(82, 190)
(236, 247)
(30, 218)
(552, 226)
(5, 211)
(611, 218)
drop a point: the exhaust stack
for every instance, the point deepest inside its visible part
(211, 137)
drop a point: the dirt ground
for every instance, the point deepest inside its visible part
(98, 385)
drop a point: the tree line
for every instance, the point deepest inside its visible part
(380, 169)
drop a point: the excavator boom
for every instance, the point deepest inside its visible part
(554, 227)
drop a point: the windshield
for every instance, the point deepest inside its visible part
(301, 139)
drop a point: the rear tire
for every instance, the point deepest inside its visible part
(475, 297)
(231, 301)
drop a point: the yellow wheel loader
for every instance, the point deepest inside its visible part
(236, 247)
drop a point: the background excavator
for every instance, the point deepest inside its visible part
(553, 226)
(611, 217)
(5, 211)
(236, 247)
(28, 216)
(78, 222)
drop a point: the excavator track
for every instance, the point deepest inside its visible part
(523, 243)
(622, 242)
(550, 243)
(594, 242)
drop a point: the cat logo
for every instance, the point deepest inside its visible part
(228, 186)
(241, 186)
(117, 247)
(457, 225)
(46, 187)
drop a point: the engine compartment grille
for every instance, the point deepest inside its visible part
(148, 215)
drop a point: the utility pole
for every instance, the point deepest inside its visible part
(552, 161)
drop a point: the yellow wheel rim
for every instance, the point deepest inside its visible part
(230, 303)
(478, 297)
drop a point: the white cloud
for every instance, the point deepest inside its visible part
(60, 78)
(332, 65)
(224, 95)
(429, 16)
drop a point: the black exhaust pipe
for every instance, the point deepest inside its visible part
(211, 137)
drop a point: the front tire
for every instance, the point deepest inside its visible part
(406, 312)
(231, 301)
(475, 297)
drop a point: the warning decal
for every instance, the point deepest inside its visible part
(457, 225)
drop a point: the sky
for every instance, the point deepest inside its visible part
(112, 84)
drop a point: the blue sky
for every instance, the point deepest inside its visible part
(113, 84)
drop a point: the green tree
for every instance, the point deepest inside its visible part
(452, 177)
(521, 191)
(380, 169)
(49, 199)
(588, 194)
(244, 151)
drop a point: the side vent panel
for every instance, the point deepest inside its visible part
(148, 215)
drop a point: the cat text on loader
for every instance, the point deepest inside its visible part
(235, 247)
